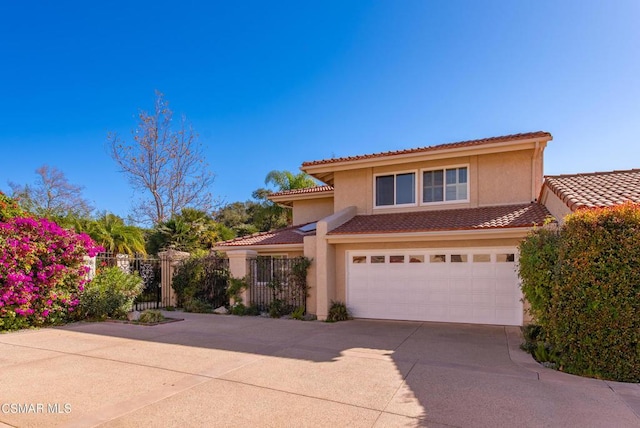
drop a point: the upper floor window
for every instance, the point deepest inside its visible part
(395, 189)
(442, 185)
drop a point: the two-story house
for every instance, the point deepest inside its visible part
(426, 234)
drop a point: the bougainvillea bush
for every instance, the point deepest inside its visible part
(42, 271)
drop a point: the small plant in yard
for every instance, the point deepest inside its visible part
(298, 313)
(338, 312)
(197, 306)
(151, 316)
(110, 294)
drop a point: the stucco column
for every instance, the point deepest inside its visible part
(239, 269)
(326, 260)
(170, 260)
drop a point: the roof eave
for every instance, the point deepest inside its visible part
(261, 248)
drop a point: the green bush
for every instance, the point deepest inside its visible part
(338, 312)
(110, 294)
(151, 316)
(538, 269)
(201, 283)
(587, 297)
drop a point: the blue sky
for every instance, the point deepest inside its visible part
(268, 85)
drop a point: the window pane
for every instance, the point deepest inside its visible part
(462, 175)
(437, 258)
(396, 259)
(416, 259)
(505, 258)
(377, 259)
(481, 258)
(462, 191)
(359, 259)
(452, 193)
(405, 188)
(384, 190)
(458, 258)
(438, 178)
(452, 176)
(432, 187)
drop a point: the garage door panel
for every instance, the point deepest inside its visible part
(471, 287)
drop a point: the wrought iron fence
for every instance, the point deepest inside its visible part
(203, 280)
(149, 268)
(277, 284)
(215, 281)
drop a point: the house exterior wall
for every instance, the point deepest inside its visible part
(494, 179)
(307, 211)
(507, 178)
(556, 207)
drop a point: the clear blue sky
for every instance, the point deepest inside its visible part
(270, 84)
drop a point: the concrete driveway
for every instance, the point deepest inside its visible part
(213, 370)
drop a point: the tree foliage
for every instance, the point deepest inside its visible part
(165, 164)
(52, 195)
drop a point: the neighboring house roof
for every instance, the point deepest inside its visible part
(497, 217)
(317, 189)
(598, 189)
(460, 144)
(287, 236)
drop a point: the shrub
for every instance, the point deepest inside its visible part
(110, 294)
(9, 208)
(298, 313)
(584, 288)
(338, 312)
(151, 316)
(538, 269)
(201, 282)
(594, 320)
(42, 271)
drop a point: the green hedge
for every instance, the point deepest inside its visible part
(584, 289)
(110, 294)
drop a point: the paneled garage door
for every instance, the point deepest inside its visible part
(477, 286)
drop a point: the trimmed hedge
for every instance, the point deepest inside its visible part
(587, 299)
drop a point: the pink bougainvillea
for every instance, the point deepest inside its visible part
(42, 271)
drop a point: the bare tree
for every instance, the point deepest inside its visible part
(52, 195)
(166, 165)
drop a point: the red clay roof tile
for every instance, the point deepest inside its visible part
(514, 137)
(597, 189)
(522, 215)
(288, 235)
(317, 189)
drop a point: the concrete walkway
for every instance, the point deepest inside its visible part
(213, 370)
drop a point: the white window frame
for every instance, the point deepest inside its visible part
(416, 190)
(444, 185)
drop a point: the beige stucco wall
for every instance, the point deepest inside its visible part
(556, 207)
(494, 179)
(353, 188)
(306, 211)
(507, 178)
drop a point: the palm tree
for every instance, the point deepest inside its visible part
(115, 236)
(286, 180)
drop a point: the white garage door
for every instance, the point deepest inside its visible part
(477, 286)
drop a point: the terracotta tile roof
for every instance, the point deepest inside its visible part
(523, 215)
(505, 138)
(288, 235)
(597, 189)
(317, 189)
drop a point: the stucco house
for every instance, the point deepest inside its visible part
(428, 234)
